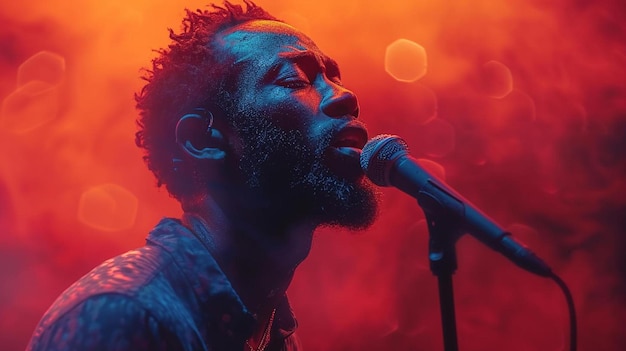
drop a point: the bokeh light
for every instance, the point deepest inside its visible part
(44, 66)
(405, 60)
(497, 79)
(522, 108)
(29, 106)
(108, 207)
(36, 99)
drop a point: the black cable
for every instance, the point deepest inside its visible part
(572, 311)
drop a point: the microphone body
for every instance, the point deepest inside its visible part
(386, 162)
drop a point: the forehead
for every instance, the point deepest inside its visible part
(264, 40)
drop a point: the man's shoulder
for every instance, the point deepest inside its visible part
(104, 321)
(128, 287)
(123, 275)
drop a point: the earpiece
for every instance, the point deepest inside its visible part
(197, 135)
(198, 115)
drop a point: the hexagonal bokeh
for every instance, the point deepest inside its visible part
(108, 207)
(405, 60)
(29, 106)
(497, 80)
(44, 66)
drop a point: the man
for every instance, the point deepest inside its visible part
(247, 124)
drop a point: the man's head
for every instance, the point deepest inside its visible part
(286, 128)
(183, 77)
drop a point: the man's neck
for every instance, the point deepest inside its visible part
(258, 257)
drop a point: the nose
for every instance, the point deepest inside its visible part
(340, 102)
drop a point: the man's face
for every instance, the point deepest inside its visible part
(296, 124)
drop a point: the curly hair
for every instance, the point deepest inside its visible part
(184, 76)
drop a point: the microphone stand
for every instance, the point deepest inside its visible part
(444, 233)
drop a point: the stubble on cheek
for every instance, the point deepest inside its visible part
(290, 170)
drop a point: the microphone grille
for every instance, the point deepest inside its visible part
(378, 156)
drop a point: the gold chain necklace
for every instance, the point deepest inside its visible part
(265, 339)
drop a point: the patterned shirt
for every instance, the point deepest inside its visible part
(167, 295)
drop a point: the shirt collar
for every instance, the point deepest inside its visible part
(188, 243)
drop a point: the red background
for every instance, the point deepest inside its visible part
(523, 106)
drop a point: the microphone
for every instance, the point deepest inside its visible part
(386, 162)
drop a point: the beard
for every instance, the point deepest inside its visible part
(280, 166)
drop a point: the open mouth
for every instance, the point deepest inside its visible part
(350, 139)
(345, 150)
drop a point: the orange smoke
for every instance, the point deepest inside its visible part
(521, 104)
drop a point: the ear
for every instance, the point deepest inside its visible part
(198, 137)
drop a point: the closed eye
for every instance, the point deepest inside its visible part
(294, 77)
(302, 69)
(293, 82)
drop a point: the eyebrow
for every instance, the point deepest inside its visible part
(323, 61)
(326, 63)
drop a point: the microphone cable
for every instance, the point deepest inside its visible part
(379, 161)
(572, 311)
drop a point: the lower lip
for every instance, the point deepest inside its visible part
(345, 161)
(351, 152)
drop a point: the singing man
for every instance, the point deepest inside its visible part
(248, 125)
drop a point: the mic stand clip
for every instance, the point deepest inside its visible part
(443, 235)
